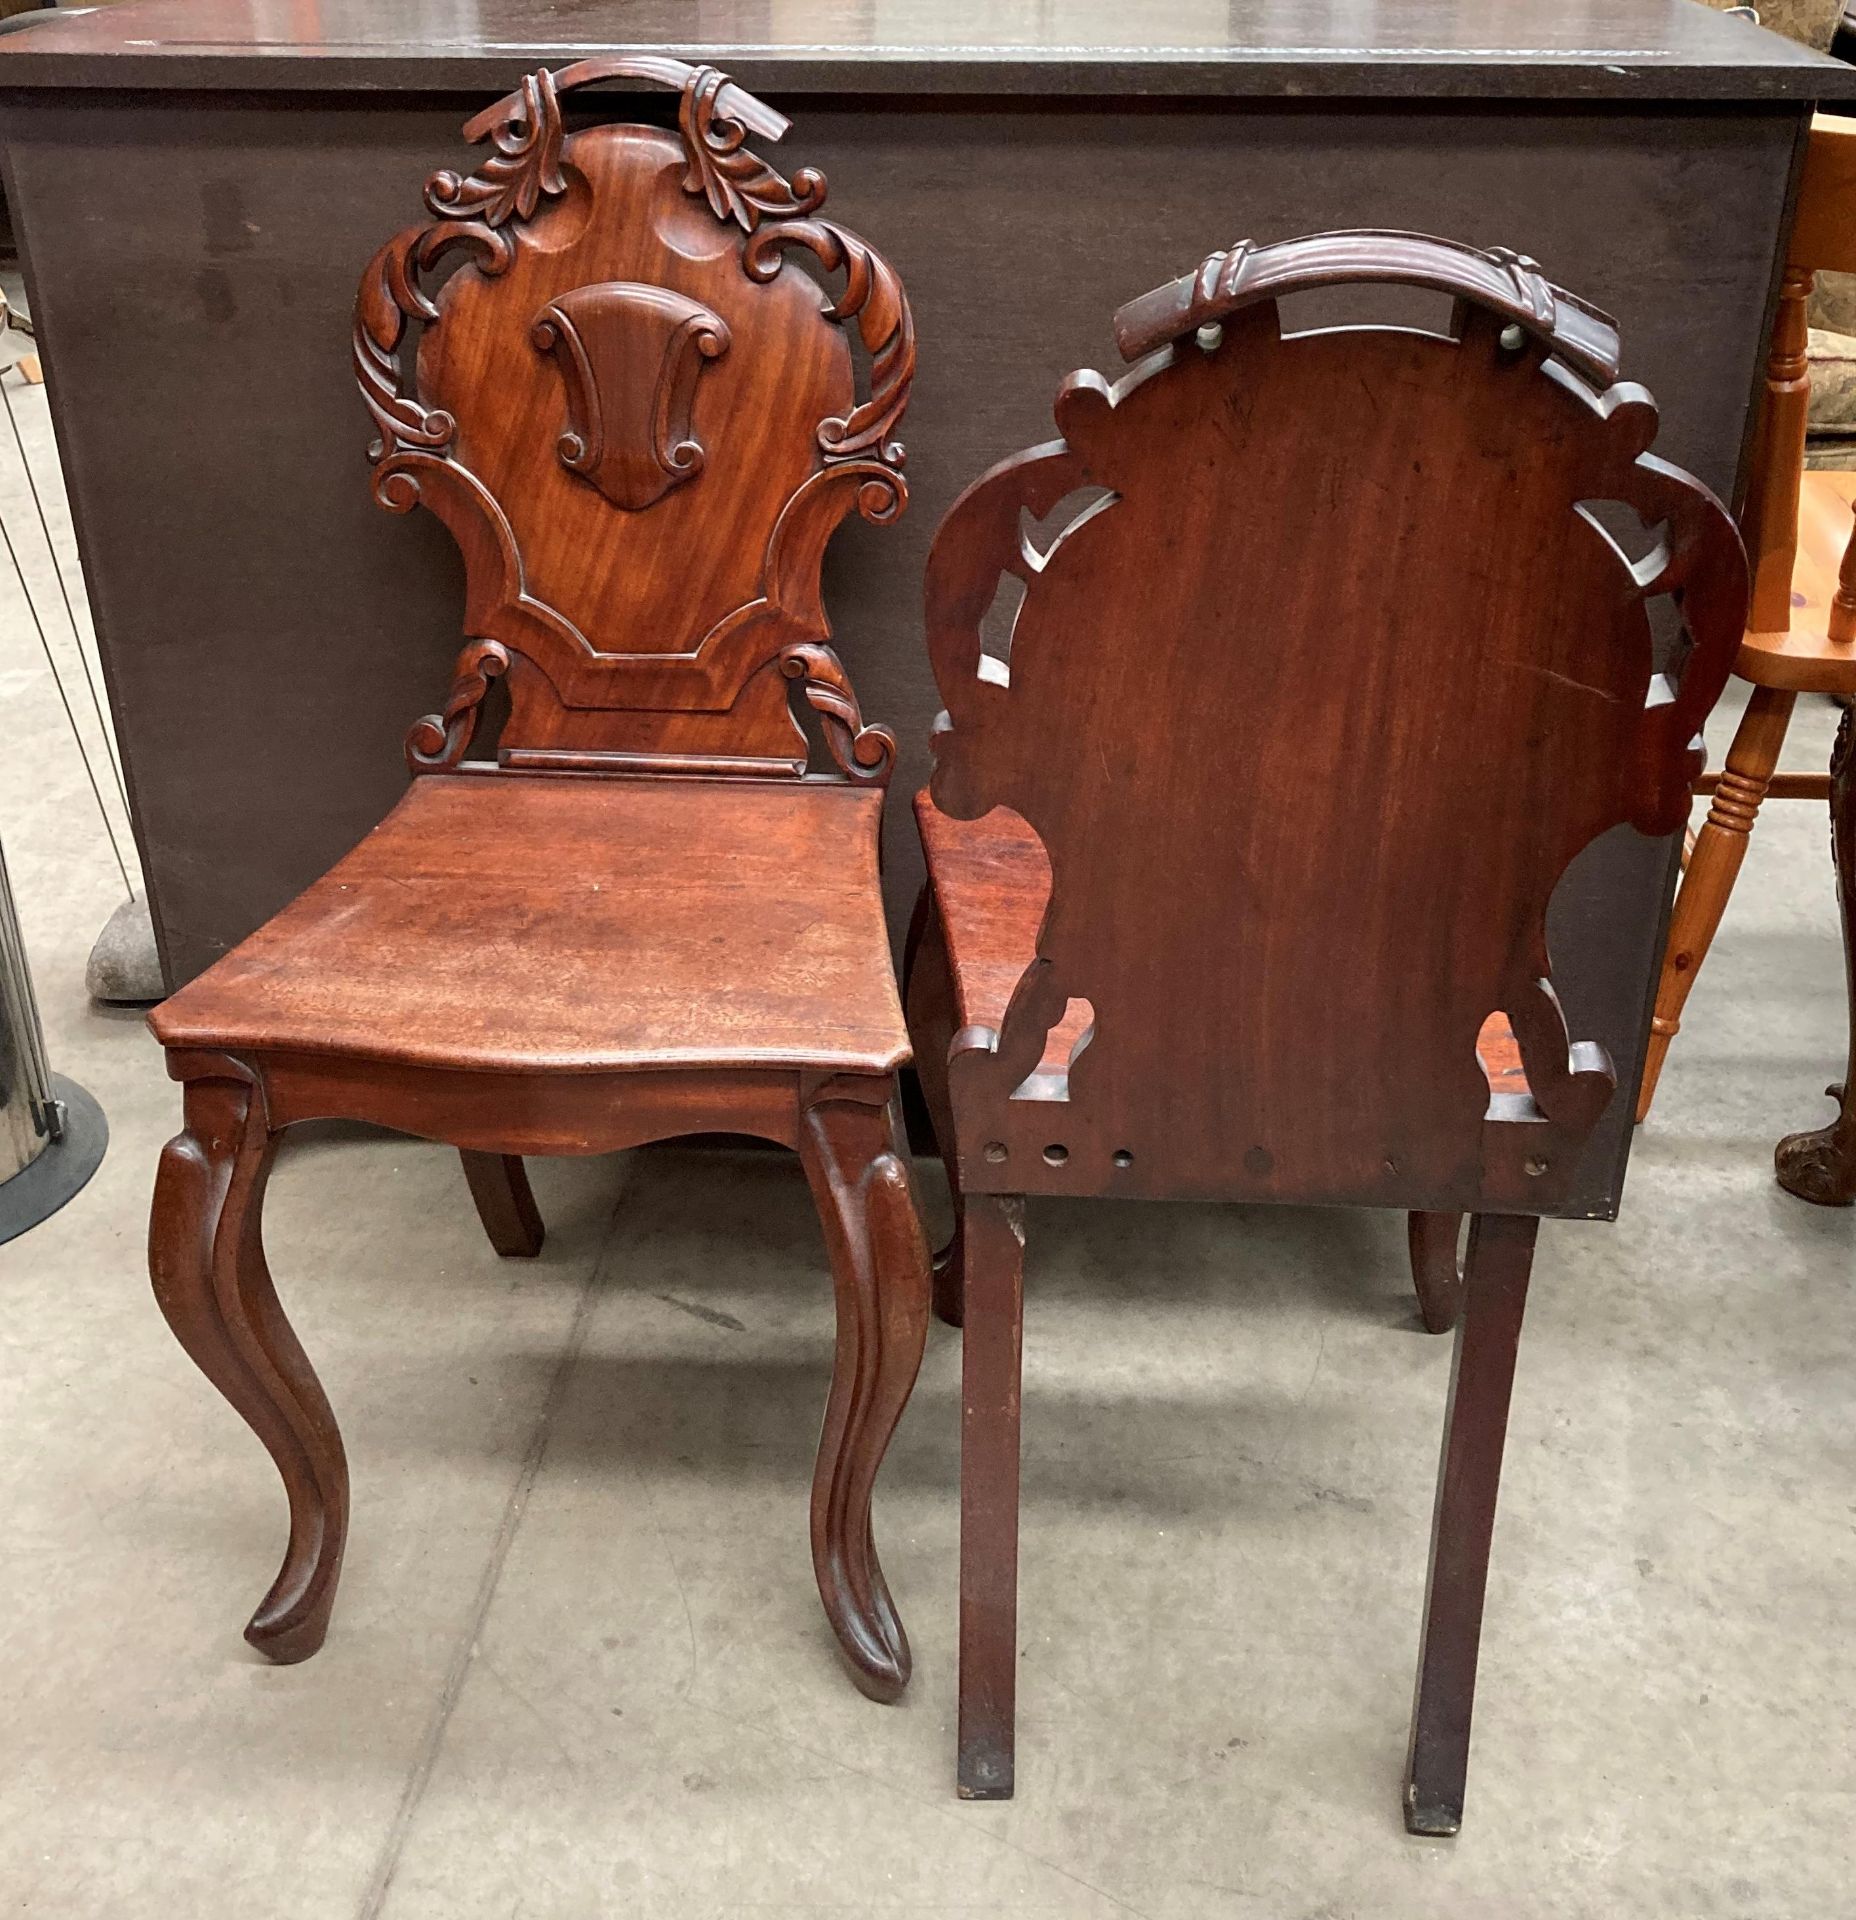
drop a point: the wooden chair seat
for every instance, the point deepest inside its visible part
(992, 884)
(578, 926)
(1802, 658)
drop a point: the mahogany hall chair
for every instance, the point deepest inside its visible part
(1240, 838)
(600, 363)
(1800, 638)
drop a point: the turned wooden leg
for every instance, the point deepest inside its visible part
(505, 1203)
(879, 1263)
(206, 1257)
(1501, 1254)
(992, 1346)
(1712, 869)
(1820, 1166)
(928, 989)
(1436, 1271)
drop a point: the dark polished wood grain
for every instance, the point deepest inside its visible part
(1327, 651)
(697, 923)
(206, 1257)
(645, 915)
(993, 1227)
(1628, 49)
(1546, 637)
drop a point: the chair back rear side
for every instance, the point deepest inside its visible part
(1823, 240)
(1311, 704)
(639, 417)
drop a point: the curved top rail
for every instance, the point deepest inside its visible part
(1507, 284)
(730, 102)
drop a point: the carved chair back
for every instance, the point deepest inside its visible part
(639, 417)
(1311, 704)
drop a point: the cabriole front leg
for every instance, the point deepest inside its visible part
(879, 1263)
(206, 1258)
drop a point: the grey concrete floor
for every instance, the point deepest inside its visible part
(577, 1666)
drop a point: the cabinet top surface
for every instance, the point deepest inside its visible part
(1414, 49)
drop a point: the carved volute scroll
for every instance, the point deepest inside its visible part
(602, 365)
(1312, 701)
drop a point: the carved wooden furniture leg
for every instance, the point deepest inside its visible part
(928, 990)
(991, 1353)
(1436, 1271)
(505, 1203)
(879, 1265)
(206, 1257)
(1500, 1257)
(1820, 1166)
(1712, 869)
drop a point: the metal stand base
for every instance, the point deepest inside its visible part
(38, 1191)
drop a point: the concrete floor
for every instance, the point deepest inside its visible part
(578, 1669)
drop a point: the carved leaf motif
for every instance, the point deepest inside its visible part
(873, 297)
(630, 356)
(390, 296)
(525, 165)
(737, 183)
(471, 213)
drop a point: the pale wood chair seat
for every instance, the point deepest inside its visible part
(1802, 658)
(578, 926)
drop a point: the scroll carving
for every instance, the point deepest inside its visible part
(864, 754)
(436, 742)
(528, 167)
(873, 297)
(630, 356)
(469, 213)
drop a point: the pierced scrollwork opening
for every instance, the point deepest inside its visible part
(864, 754)
(436, 742)
(469, 213)
(873, 297)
